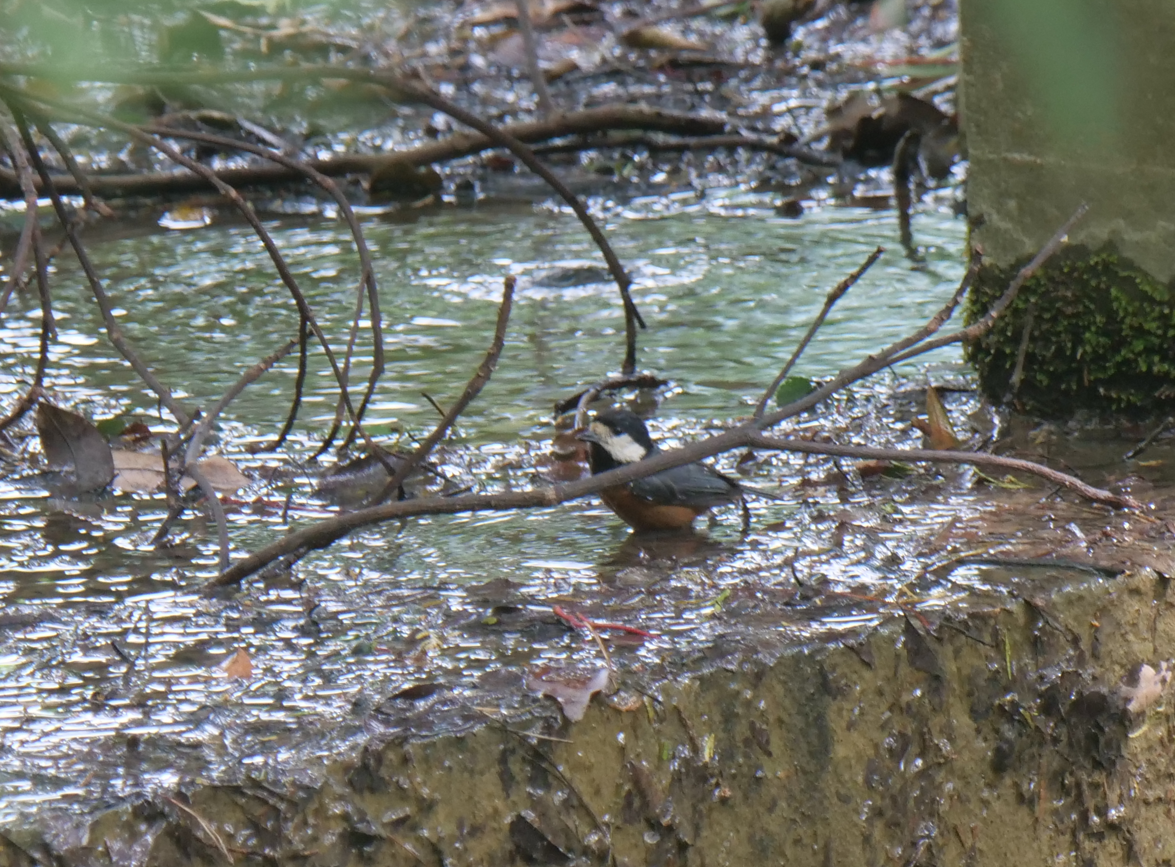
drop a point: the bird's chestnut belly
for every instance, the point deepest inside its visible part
(642, 514)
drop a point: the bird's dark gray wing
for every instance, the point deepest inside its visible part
(691, 485)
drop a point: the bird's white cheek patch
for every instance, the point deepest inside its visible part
(625, 449)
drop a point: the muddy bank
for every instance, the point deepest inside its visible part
(1009, 735)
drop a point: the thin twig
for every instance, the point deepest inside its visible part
(835, 295)
(877, 361)
(96, 288)
(981, 327)
(210, 496)
(249, 376)
(637, 380)
(80, 177)
(1149, 438)
(299, 385)
(432, 402)
(480, 377)
(946, 456)
(1021, 352)
(24, 245)
(530, 44)
(632, 316)
(217, 840)
(20, 160)
(190, 468)
(366, 269)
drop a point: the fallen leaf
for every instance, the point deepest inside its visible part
(71, 443)
(937, 427)
(238, 666)
(1144, 685)
(560, 68)
(416, 692)
(222, 474)
(142, 473)
(572, 687)
(792, 389)
(656, 38)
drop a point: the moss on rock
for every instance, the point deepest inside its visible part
(1102, 338)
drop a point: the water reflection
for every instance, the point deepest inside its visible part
(643, 559)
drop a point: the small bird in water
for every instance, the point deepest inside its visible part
(668, 500)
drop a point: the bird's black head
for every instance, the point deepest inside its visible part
(617, 438)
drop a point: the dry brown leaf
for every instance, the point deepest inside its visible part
(222, 474)
(72, 443)
(540, 13)
(238, 666)
(656, 38)
(938, 423)
(142, 473)
(572, 686)
(560, 68)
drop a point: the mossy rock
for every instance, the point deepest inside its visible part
(1102, 338)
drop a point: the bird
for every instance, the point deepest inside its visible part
(669, 500)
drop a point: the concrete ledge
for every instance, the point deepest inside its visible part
(1001, 738)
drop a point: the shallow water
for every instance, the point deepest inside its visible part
(103, 636)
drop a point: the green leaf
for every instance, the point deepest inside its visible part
(898, 470)
(792, 389)
(112, 427)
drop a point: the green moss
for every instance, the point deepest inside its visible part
(1103, 336)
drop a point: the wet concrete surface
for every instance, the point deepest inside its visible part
(1030, 731)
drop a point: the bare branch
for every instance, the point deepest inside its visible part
(20, 259)
(400, 89)
(367, 270)
(251, 217)
(695, 143)
(874, 363)
(296, 544)
(217, 510)
(80, 178)
(299, 385)
(637, 380)
(30, 236)
(979, 459)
